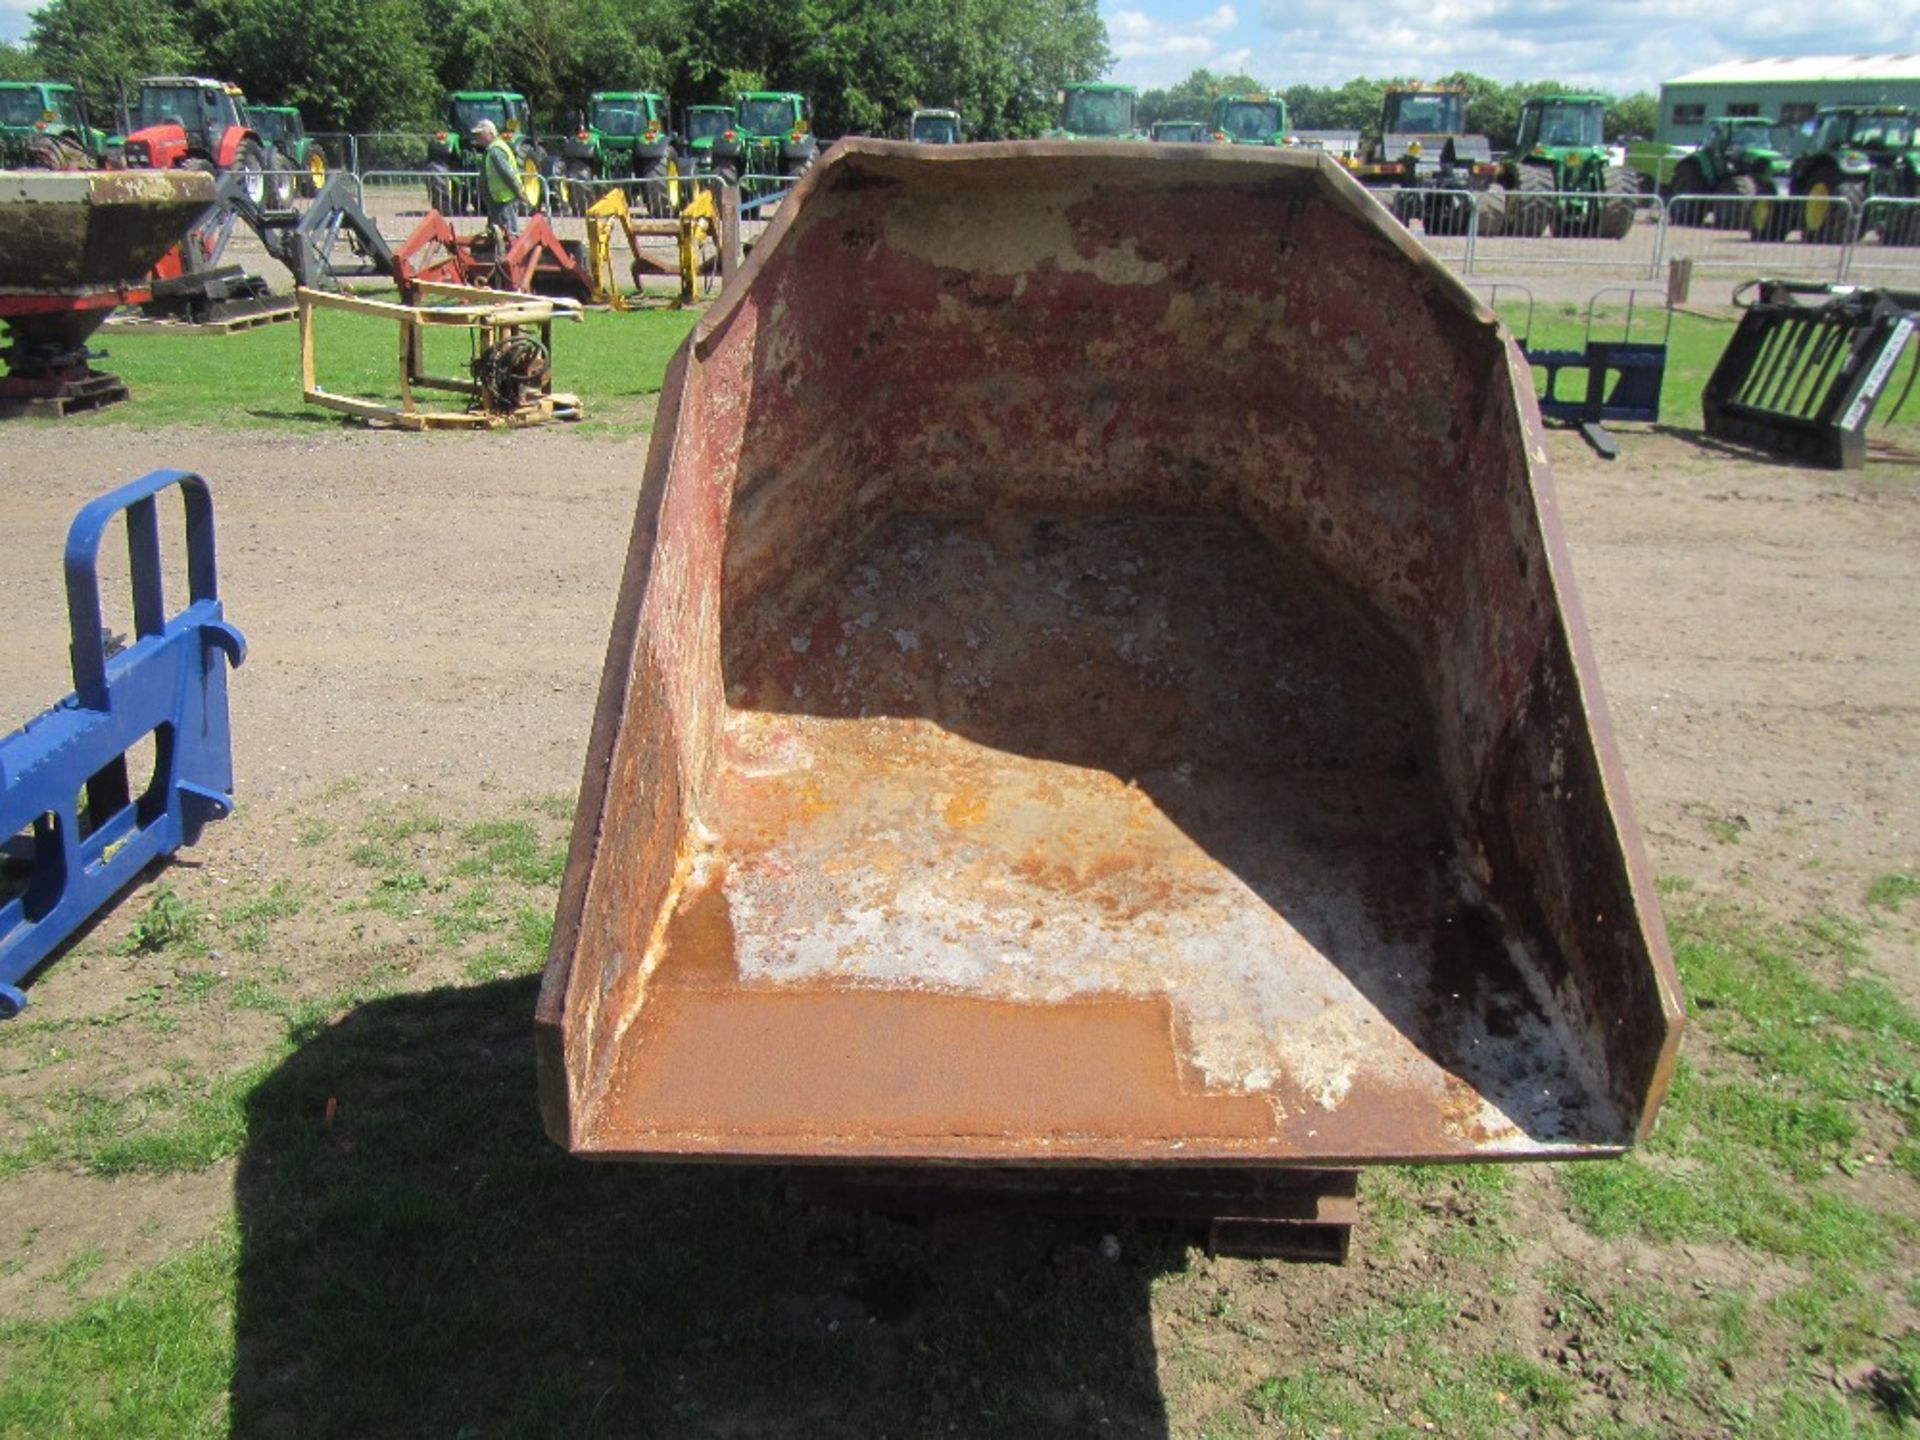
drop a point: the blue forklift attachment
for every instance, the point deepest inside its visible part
(73, 834)
(1623, 376)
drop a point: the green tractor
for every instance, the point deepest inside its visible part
(1250, 120)
(289, 147)
(1737, 158)
(1560, 176)
(1095, 110)
(451, 157)
(43, 125)
(772, 135)
(1859, 154)
(625, 134)
(935, 127)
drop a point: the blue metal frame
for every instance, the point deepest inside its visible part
(169, 683)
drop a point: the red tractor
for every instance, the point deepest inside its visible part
(184, 123)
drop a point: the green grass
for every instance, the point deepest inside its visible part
(151, 1360)
(1893, 890)
(251, 378)
(1694, 348)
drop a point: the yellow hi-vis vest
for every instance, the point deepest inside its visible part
(502, 172)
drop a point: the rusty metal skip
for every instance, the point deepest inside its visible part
(1090, 700)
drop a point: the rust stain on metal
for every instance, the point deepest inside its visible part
(1097, 688)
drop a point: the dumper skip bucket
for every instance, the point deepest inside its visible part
(1097, 680)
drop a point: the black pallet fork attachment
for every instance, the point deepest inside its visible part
(1805, 368)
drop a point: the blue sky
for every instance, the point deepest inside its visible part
(1617, 45)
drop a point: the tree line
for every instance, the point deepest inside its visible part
(367, 65)
(1493, 108)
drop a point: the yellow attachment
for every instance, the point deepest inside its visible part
(698, 216)
(610, 209)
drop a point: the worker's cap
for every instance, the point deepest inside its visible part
(484, 129)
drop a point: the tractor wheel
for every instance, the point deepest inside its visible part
(57, 152)
(1531, 211)
(251, 166)
(1769, 220)
(1492, 211)
(1823, 222)
(315, 178)
(654, 185)
(439, 188)
(1616, 211)
(1735, 212)
(580, 196)
(1688, 180)
(279, 180)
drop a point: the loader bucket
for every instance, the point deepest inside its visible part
(66, 231)
(1097, 681)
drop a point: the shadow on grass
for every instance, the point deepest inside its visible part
(418, 1259)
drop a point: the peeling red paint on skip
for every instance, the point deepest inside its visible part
(1097, 680)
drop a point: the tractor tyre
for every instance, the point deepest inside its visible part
(314, 176)
(57, 152)
(251, 166)
(1736, 211)
(279, 180)
(580, 178)
(653, 189)
(1821, 221)
(1491, 213)
(1769, 220)
(1848, 222)
(439, 188)
(1688, 180)
(1622, 190)
(1531, 211)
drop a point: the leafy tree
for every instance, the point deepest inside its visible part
(1193, 97)
(1633, 118)
(17, 62)
(348, 64)
(105, 46)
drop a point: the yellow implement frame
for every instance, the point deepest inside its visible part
(612, 212)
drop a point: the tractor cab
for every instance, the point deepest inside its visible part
(623, 115)
(466, 109)
(1554, 125)
(1179, 132)
(1250, 120)
(1097, 111)
(280, 126)
(1425, 112)
(934, 127)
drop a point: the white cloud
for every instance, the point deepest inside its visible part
(1622, 46)
(1152, 51)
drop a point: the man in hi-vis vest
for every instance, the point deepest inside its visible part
(499, 180)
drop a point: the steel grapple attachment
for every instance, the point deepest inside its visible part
(1097, 682)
